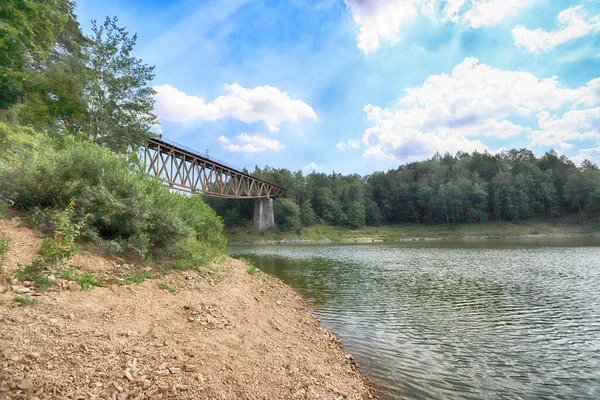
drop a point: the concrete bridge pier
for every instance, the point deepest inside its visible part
(264, 217)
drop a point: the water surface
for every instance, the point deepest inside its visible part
(493, 319)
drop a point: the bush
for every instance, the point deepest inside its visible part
(116, 203)
(62, 246)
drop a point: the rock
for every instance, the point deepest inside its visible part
(51, 278)
(122, 396)
(22, 290)
(128, 375)
(146, 384)
(73, 286)
(26, 283)
(190, 368)
(71, 316)
(278, 302)
(175, 370)
(191, 319)
(199, 378)
(25, 385)
(62, 283)
(34, 355)
(2, 289)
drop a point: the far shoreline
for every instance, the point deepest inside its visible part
(322, 234)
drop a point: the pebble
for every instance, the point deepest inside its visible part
(190, 368)
(25, 385)
(22, 290)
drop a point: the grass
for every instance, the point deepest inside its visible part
(408, 232)
(167, 287)
(252, 270)
(34, 273)
(136, 277)
(22, 301)
(3, 249)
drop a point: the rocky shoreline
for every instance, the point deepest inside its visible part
(181, 336)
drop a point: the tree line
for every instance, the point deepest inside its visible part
(512, 185)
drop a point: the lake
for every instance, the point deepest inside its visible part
(489, 319)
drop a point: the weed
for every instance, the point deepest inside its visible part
(34, 273)
(2, 303)
(62, 245)
(168, 288)
(3, 249)
(136, 277)
(88, 281)
(22, 301)
(252, 270)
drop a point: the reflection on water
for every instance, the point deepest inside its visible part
(457, 320)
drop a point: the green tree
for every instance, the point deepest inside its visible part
(287, 213)
(307, 214)
(119, 96)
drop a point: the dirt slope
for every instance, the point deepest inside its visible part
(247, 337)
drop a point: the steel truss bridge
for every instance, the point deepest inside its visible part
(189, 171)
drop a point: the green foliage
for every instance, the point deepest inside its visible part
(121, 206)
(23, 301)
(35, 273)
(3, 249)
(512, 185)
(62, 245)
(88, 281)
(34, 36)
(119, 94)
(287, 213)
(252, 270)
(167, 287)
(308, 216)
(137, 277)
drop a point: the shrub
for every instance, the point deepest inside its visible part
(112, 201)
(62, 246)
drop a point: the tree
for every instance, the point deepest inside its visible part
(287, 213)
(307, 214)
(41, 58)
(119, 96)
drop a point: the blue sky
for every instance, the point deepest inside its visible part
(357, 86)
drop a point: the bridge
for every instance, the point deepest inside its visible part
(186, 170)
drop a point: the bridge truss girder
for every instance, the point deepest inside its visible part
(182, 169)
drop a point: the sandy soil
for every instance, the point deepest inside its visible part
(246, 337)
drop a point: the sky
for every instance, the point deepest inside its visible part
(357, 86)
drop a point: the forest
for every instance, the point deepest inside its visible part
(511, 185)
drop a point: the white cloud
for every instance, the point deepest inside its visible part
(380, 19)
(574, 24)
(489, 12)
(592, 154)
(447, 112)
(383, 19)
(223, 140)
(174, 105)
(351, 144)
(251, 143)
(262, 103)
(310, 167)
(572, 125)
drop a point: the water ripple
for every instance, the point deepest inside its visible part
(448, 321)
